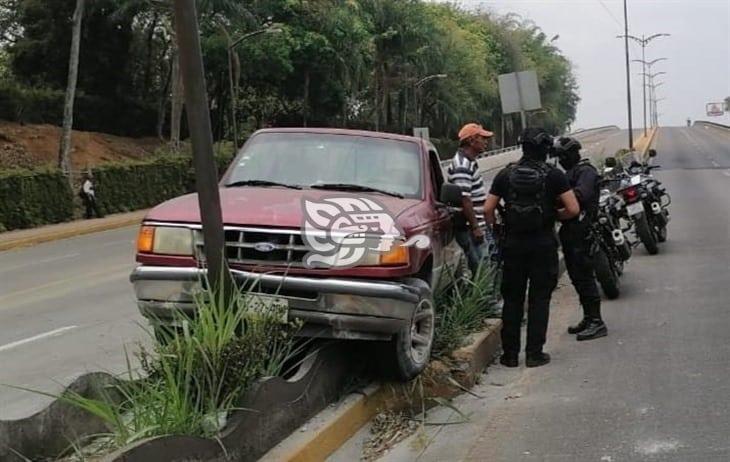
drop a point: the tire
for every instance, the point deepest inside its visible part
(645, 235)
(624, 251)
(661, 235)
(410, 349)
(606, 275)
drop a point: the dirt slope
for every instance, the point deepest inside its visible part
(29, 146)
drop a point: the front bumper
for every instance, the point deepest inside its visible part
(332, 307)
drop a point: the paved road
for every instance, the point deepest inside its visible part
(67, 307)
(656, 388)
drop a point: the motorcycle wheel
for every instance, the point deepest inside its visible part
(624, 251)
(645, 235)
(606, 275)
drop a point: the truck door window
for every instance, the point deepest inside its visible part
(437, 175)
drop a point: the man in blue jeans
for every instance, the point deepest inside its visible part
(471, 230)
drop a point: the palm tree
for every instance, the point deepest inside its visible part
(64, 162)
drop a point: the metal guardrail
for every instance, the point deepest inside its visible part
(714, 124)
(494, 152)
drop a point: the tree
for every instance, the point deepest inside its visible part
(64, 162)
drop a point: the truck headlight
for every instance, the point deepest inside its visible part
(396, 256)
(165, 240)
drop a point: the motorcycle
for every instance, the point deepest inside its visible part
(611, 249)
(647, 203)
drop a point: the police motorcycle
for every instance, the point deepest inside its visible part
(647, 202)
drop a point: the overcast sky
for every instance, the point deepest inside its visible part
(698, 70)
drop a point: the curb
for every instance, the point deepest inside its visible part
(346, 421)
(649, 142)
(358, 409)
(86, 227)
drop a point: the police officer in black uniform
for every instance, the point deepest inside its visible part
(575, 237)
(534, 195)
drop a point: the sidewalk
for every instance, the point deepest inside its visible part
(28, 237)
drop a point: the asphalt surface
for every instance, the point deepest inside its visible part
(656, 388)
(67, 308)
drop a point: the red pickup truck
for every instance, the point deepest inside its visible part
(291, 193)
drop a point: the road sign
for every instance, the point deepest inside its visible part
(421, 132)
(715, 109)
(519, 92)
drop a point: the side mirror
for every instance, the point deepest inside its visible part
(451, 195)
(610, 162)
(652, 152)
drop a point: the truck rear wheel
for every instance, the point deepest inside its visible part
(410, 349)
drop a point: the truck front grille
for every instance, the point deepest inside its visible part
(260, 246)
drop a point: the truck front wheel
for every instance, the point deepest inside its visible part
(410, 349)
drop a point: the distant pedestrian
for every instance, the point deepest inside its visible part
(530, 189)
(88, 196)
(471, 229)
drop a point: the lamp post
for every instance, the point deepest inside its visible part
(643, 41)
(652, 86)
(646, 65)
(654, 101)
(417, 88)
(232, 82)
(656, 110)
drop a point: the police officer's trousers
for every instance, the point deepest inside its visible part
(538, 266)
(576, 243)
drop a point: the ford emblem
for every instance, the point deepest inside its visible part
(264, 246)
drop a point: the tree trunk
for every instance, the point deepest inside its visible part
(162, 102)
(148, 58)
(178, 98)
(305, 109)
(64, 162)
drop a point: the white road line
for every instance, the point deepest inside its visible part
(714, 163)
(726, 173)
(52, 333)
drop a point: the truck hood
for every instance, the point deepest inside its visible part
(275, 207)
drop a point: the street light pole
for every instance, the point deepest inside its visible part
(231, 81)
(628, 75)
(647, 66)
(643, 41)
(417, 88)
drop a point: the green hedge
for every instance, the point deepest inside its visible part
(127, 186)
(33, 198)
(30, 198)
(91, 113)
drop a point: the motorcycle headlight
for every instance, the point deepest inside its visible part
(165, 240)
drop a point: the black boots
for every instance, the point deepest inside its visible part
(574, 329)
(592, 326)
(508, 360)
(537, 359)
(596, 329)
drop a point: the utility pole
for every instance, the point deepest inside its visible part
(206, 176)
(628, 75)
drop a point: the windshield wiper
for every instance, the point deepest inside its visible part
(354, 187)
(261, 183)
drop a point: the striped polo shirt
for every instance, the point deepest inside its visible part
(464, 173)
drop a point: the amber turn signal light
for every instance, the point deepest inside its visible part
(398, 255)
(146, 239)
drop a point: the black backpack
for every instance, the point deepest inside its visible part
(527, 208)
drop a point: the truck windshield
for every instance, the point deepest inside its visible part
(310, 159)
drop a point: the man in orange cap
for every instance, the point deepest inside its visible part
(471, 228)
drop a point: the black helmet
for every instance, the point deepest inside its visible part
(536, 137)
(566, 144)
